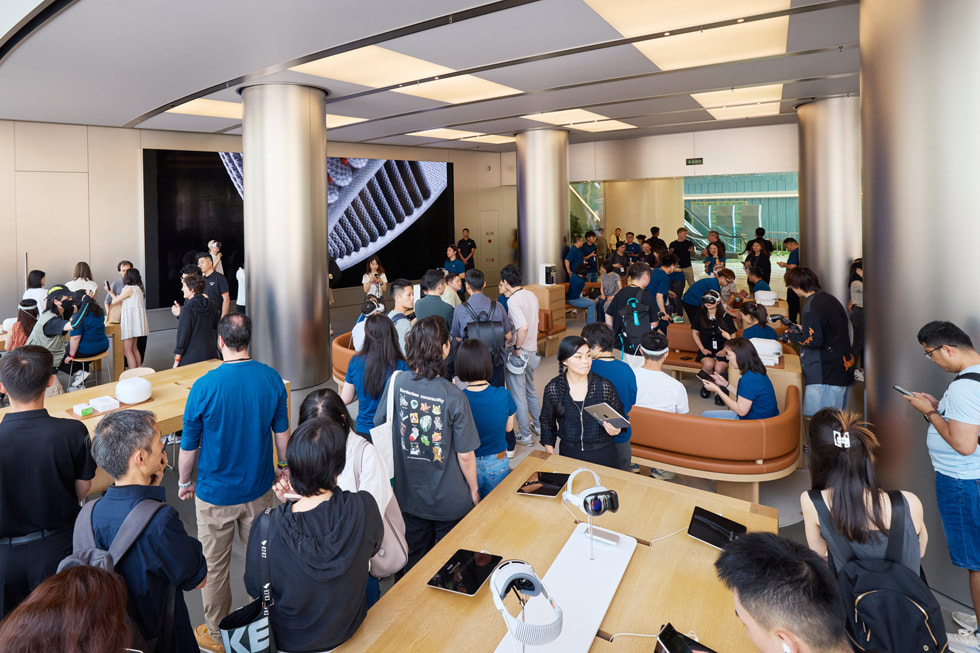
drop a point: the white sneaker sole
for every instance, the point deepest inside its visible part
(965, 620)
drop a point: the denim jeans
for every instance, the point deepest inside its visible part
(587, 304)
(959, 510)
(489, 472)
(817, 396)
(521, 387)
(592, 276)
(720, 414)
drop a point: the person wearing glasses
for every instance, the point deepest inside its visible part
(951, 438)
(825, 343)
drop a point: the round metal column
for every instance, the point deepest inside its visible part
(284, 144)
(830, 190)
(919, 98)
(542, 200)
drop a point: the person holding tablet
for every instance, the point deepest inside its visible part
(755, 397)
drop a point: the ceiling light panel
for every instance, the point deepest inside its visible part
(445, 134)
(749, 95)
(458, 89)
(745, 111)
(761, 38)
(602, 126)
(334, 121)
(492, 139)
(639, 17)
(372, 66)
(566, 117)
(212, 108)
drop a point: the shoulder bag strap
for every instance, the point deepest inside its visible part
(134, 524)
(896, 529)
(391, 398)
(469, 309)
(83, 537)
(358, 461)
(263, 519)
(839, 540)
(970, 376)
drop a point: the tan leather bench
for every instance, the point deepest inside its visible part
(682, 357)
(341, 351)
(737, 454)
(548, 334)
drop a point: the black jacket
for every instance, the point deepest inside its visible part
(197, 338)
(318, 565)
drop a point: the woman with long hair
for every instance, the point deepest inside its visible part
(82, 279)
(842, 470)
(434, 440)
(368, 371)
(712, 327)
(375, 281)
(78, 610)
(755, 398)
(759, 257)
(319, 545)
(713, 259)
(133, 323)
(563, 405)
(26, 319)
(364, 469)
(755, 322)
(494, 412)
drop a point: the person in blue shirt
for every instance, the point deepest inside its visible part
(792, 261)
(755, 398)
(692, 298)
(714, 257)
(368, 372)
(576, 283)
(601, 340)
(756, 280)
(453, 262)
(755, 322)
(590, 254)
(165, 561)
(575, 257)
(633, 249)
(87, 336)
(494, 412)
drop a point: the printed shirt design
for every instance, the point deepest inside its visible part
(420, 425)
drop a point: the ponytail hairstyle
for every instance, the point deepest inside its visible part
(756, 311)
(566, 349)
(842, 459)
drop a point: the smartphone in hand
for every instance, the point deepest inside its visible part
(902, 390)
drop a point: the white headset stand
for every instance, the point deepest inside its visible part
(582, 580)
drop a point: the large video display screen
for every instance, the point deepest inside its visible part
(400, 210)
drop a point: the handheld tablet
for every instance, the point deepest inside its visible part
(543, 484)
(714, 529)
(671, 641)
(465, 572)
(606, 413)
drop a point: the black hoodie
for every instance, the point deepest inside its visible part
(318, 563)
(196, 331)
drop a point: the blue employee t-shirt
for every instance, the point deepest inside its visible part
(456, 266)
(962, 403)
(698, 288)
(367, 405)
(760, 331)
(758, 388)
(575, 285)
(491, 408)
(592, 262)
(677, 275)
(92, 331)
(621, 375)
(761, 285)
(794, 257)
(231, 414)
(659, 283)
(633, 250)
(574, 258)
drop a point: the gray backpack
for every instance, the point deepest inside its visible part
(85, 551)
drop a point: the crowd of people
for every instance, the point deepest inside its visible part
(445, 392)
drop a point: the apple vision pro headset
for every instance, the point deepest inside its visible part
(592, 501)
(519, 576)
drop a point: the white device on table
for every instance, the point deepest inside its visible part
(519, 576)
(593, 501)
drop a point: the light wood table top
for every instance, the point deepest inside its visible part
(672, 581)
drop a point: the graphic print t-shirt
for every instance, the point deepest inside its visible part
(432, 423)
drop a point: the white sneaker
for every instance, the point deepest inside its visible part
(662, 474)
(966, 620)
(526, 440)
(859, 375)
(964, 641)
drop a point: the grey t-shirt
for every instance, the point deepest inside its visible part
(432, 423)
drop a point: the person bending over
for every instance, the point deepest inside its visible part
(755, 397)
(784, 594)
(755, 322)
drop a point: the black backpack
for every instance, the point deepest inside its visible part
(635, 319)
(889, 607)
(488, 331)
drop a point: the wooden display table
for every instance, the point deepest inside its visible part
(671, 580)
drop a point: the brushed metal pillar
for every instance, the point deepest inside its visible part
(830, 190)
(284, 143)
(542, 200)
(919, 98)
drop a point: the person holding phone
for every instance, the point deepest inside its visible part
(713, 328)
(374, 280)
(563, 405)
(755, 398)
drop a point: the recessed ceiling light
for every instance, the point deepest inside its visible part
(602, 126)
(210, 108)
(740, 20)
(729, 97)
(372, 66)
(459, 89)
(566, 117)
(445, 134)
(666, 33)
(493, 139)
(334, 121)
(746, 111)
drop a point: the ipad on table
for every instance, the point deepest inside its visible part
(543, 484)
(465, 573)
(714, 529)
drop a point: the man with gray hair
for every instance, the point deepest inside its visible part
(164, 558)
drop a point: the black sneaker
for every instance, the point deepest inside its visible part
(705, 393)
(719, 401)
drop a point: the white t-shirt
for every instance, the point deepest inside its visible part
(82, 284)
(240, 278)
(375, 287)
(660, 391)
(38, 294)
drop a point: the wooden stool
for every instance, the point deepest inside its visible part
(96, 362)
